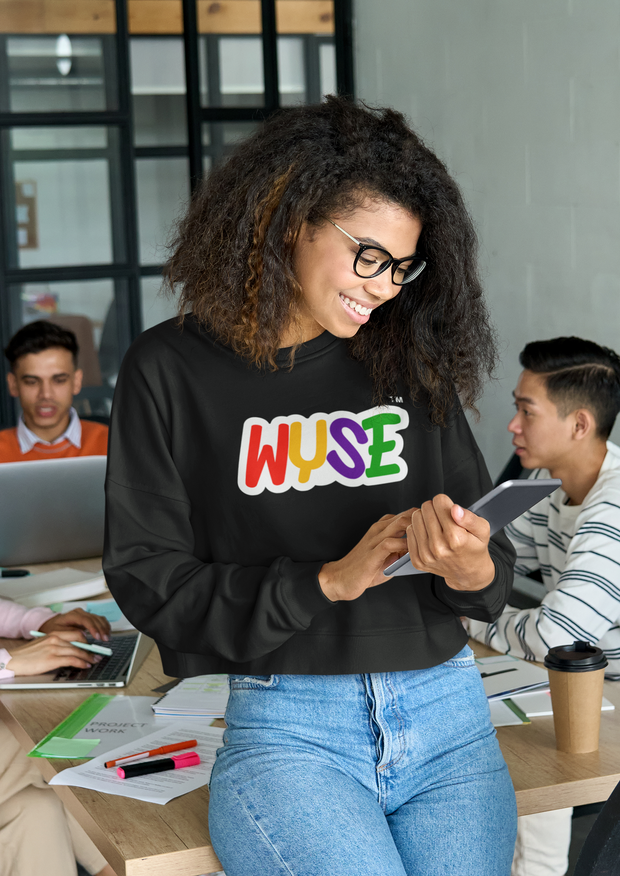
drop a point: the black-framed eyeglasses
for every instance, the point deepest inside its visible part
(371, 261)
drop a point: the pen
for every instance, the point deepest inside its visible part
(499, 672)
(13, 573)
(158, 766)
(96, 649)
(163, 749)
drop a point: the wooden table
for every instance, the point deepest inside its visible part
(140, 838)
(135, 837)
(545, 778)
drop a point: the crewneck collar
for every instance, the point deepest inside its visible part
(306, 350)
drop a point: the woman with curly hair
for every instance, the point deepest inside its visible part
(270, 449)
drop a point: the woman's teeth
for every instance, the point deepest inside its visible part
(363, 311)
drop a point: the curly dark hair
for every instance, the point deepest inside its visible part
(232, 255)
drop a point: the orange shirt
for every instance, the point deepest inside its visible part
(94, 443)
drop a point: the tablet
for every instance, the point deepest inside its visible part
(500, 506)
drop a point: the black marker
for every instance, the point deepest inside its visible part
(499, 672)
(158, 766)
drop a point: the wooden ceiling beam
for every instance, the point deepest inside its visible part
(161, 16)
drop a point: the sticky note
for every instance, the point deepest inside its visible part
(109, 610)
(58, 746)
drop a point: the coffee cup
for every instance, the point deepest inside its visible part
(576, 675)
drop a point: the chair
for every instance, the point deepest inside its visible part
(600, 854)
(513, 471)
(88, 360)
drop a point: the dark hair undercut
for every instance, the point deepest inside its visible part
(232, 256)
(578, 374)
(38, 336)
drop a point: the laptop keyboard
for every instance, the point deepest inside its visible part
(109, 669)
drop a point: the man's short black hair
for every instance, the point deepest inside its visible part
(38, 336)
(578, 374)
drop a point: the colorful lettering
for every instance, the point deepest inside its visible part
(306, 466)
(259, 458)
(379, 445)
(353, 449)
(336, 431)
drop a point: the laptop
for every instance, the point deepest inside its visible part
(51, 509)
(129, 652)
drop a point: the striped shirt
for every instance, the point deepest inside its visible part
(577, 550)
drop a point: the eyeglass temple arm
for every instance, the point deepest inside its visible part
(345, 232)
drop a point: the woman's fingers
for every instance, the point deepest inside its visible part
(78, 619)
(450, 541)
(45, 655)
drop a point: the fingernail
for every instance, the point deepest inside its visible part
(98, 658)
(459, 511)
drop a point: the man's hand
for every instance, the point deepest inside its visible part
(450, 541)
(76, 621)
(52, 652)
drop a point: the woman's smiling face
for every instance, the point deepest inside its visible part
(334, 298)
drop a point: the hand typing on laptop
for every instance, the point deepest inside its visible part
(76, 620)
(52, 652)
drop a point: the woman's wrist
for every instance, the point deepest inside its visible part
(326, 582)
(5, 670)
(477, 580)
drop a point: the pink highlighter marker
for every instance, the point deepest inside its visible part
(158, 766)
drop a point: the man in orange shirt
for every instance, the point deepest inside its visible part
(44, 377)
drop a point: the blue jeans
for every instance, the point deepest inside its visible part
(386, 774)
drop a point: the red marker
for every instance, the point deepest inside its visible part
(163, 749)
(158, 766)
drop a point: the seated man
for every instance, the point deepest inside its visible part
(567, 400)
(44, 377)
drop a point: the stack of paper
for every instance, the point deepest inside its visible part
(537, 704)
(505, 713)
(504, 675)
(48, 587)
(204, 696)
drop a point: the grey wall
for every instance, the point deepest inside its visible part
(521, 98)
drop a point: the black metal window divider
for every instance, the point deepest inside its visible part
(125, 271)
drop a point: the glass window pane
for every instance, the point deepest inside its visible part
(327, 68)
(61, 73)
(163, 192)
(219, 138)
(158, 89)
(156, 306)
(291, 72)
(306, 56)
(87, 308)
(61, 213)
(232, 71)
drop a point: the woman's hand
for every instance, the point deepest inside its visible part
(450, 541)
(363, 566)
(78, 620)
(52, 652)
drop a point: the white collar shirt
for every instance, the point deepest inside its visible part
(73, 433)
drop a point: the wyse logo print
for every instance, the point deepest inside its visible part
(301, 453)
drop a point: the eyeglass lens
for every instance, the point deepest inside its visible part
(371, 262)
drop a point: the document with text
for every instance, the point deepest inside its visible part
(155, 787)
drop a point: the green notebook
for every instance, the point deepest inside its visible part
(61, 743)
